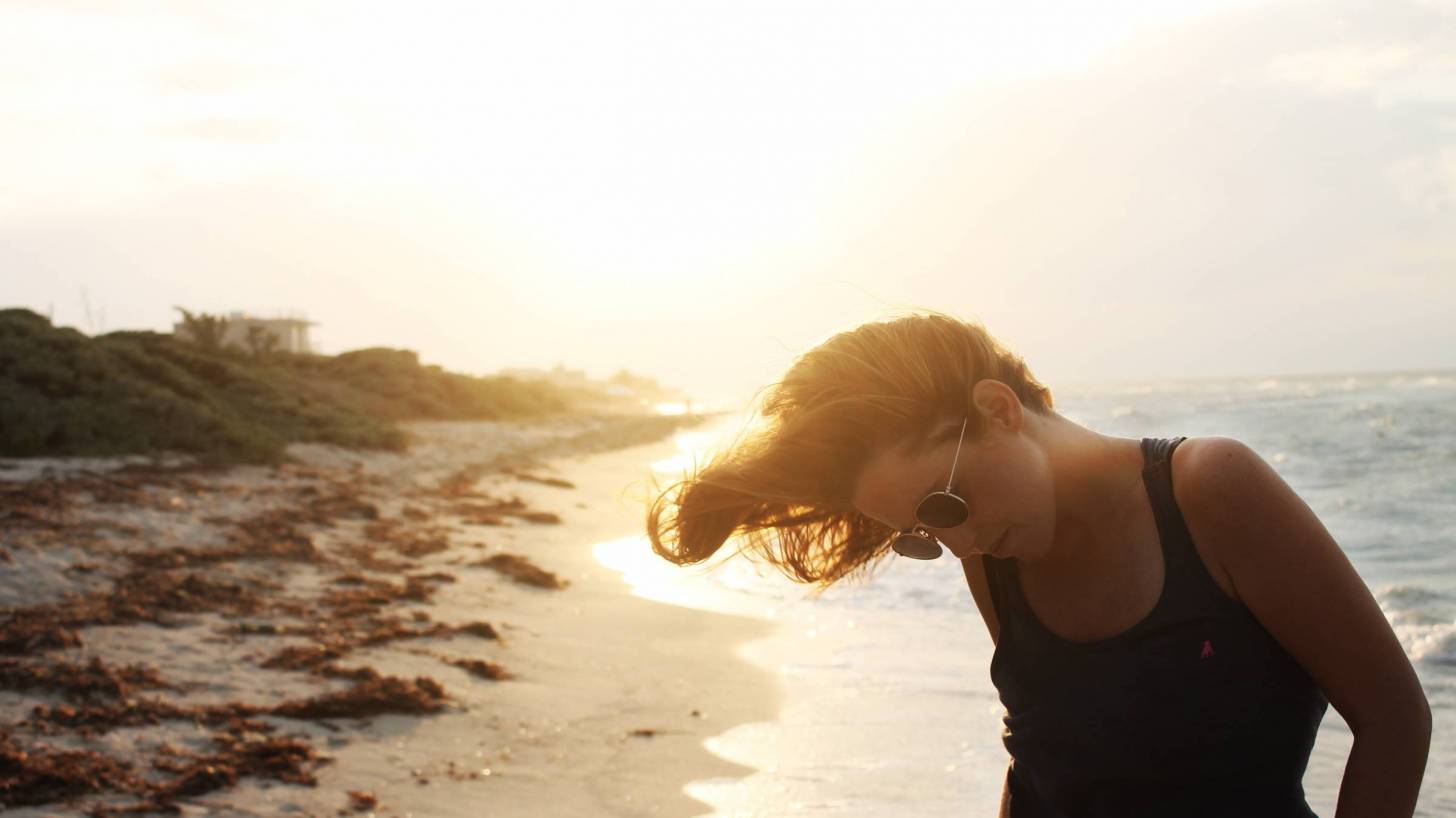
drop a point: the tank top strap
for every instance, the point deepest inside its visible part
(1184, 570)
(994, 581)
(1189, 590)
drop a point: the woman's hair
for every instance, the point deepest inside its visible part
(787, 485)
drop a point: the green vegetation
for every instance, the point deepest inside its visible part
(64, 393)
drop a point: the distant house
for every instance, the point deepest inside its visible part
(623, 386)
(560, 375)
(245, 331)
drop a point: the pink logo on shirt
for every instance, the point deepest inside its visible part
(1207, 649)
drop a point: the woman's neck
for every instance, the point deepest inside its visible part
(1096, 480)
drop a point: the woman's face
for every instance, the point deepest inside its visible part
(1003, 476)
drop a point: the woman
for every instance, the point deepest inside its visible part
(1170, 619)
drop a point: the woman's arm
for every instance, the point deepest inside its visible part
(1297, 582)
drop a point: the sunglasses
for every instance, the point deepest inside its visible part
(939, 509)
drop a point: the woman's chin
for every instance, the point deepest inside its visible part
(995, 549)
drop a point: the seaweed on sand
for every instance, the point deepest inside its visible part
(522, 570)
(92, 681)
(366, 595)
(278, 758)
(481, 668)
(406, 543)
(372, 697)
(336, 640)
(40, 775)
(362, 801)
(495, 512)
(139, 596)
(556, 482)
(37, 774)
(96, 719)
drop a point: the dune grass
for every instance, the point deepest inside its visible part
(66, 393)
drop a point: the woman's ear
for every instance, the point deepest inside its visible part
(997, 404)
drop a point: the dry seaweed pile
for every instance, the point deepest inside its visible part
(476, 508)
(374, 579)
(522, 570)
(79, 683)
(145, 595)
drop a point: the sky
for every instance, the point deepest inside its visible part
(700, 191)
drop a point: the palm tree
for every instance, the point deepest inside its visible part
(205, 330)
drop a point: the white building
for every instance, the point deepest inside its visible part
(560, 375)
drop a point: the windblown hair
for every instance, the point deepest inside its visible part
(787, 486)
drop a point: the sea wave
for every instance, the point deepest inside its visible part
(1418, 615)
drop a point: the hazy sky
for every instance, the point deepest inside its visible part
(699, 191)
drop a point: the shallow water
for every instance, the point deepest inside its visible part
(888, 704)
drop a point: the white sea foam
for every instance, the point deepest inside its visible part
(1416, 614)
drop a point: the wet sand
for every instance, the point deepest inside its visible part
(417, 634)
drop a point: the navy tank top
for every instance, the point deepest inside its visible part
(1194, 711)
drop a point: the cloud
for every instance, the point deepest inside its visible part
(250, 131)
(206, 75)
(1427, 181)
(1392, 52)
(1181, 191)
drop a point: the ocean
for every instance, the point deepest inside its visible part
(888, 707)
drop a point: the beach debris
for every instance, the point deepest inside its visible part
(456, 772)
(404, 541)
(536, 478)
(461, 483)
(521, 570)
(484, 630)
(495, 512)
(360, 801)
(364, 570)
(139, 596)
(334, 640)
(48, 501)
(643, 732)
(97, 719)
(480, 668)
(335, 500)
(365, 595)
(371, 697)
(92, 681)
(305, 657)
(38, 774)
(365, 556)
(290, 760)
(275, 534)
(36, 503)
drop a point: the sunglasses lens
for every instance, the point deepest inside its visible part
(916, 547)
(942, 510)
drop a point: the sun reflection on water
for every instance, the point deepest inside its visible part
(717, 585)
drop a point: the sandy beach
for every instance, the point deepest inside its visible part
(415, 634)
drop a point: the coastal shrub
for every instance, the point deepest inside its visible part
(64, 393)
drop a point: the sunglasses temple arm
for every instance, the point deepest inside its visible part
(957, 459)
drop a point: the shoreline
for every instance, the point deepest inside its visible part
(601, 703)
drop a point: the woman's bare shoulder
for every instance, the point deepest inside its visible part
(1296, 580)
